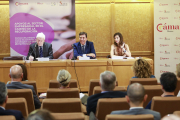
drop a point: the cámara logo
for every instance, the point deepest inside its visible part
(177, 51)
(177, 38)
(166, 65)
(161, 58)
(18, 3)
(163, 18)
(163, 4)
(162, 71)
(163, 45)
(160, 27)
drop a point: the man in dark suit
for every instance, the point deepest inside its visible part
(136, 97)
(168, 82)
(40, 48)
(16, 76)
(84, 47)
(107, 84)
(3, 100)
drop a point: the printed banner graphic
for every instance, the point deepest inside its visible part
(55, 18)
(166, 36)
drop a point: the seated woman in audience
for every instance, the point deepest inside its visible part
(24, 72)
(119, 48)
(40, 114)
(64, 78)
(142, 69)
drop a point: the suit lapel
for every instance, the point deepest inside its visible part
(86, 48)
(44, 49)
(79, 48)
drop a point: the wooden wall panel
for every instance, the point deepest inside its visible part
(134, 21)
(95, 19)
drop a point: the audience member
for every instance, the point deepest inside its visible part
(16, 76)
(64, 78)
(24, 69)
(41, 114)
(168, 82)
(142, 69)
(136, 97)
(3, 100)
(107, 84)
(170, 117)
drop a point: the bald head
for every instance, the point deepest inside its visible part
(136, 93)
(16, 72)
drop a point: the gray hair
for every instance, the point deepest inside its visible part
(64, 77)
(136, 93)
(16, 71)
(3, 92)
(107, 80)
(41, 35)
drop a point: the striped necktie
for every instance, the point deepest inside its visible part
(41, 52)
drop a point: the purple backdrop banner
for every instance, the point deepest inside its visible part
(55, 18)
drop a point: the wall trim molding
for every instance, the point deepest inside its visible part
(4, 2)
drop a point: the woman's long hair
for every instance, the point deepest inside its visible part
(121, 39)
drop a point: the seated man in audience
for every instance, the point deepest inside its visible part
(3, 100)
(168, 82)
(107, 84)
(16, 76)
(84, 47)
(136, 97)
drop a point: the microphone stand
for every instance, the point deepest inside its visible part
(73, 52)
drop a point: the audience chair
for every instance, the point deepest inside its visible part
(63, 93)
(144, 81)
(17, 104)
(14, 58)
(151, 91)
(107, 105)
(7, 117)
(97, 89)
(23, 93)
(130, 117)
(177, 87)
(93, 83)
(177, 113)
(55, 84)
(62, 105)
(33, 83)
(69, 116)
(165, 105)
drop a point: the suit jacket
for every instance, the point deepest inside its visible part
(88, 49)
(18, 115)
(19, 85)
(34, 50)
(93, 99)
(138, 111)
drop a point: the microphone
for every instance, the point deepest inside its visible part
(73, 52)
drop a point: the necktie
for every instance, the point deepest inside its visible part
(83, 50)
(41, 52)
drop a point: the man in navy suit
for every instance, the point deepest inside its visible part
(84, 47)
(16, 76)
(136, 97)
(107, 83)
(3, 100)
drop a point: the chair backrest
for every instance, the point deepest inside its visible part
(151, 91)
(93, 83)
(130, 117)
(97, 89)
(165, 105)
(7, 117)
(144, 81)
(107, 105)
(55, 84)
(177, 113)
(14, 58)
(23, 93)
(62, 105)
(177, 87)
(63, 93)
(33, 83)
(17, 104)
(68, 116)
